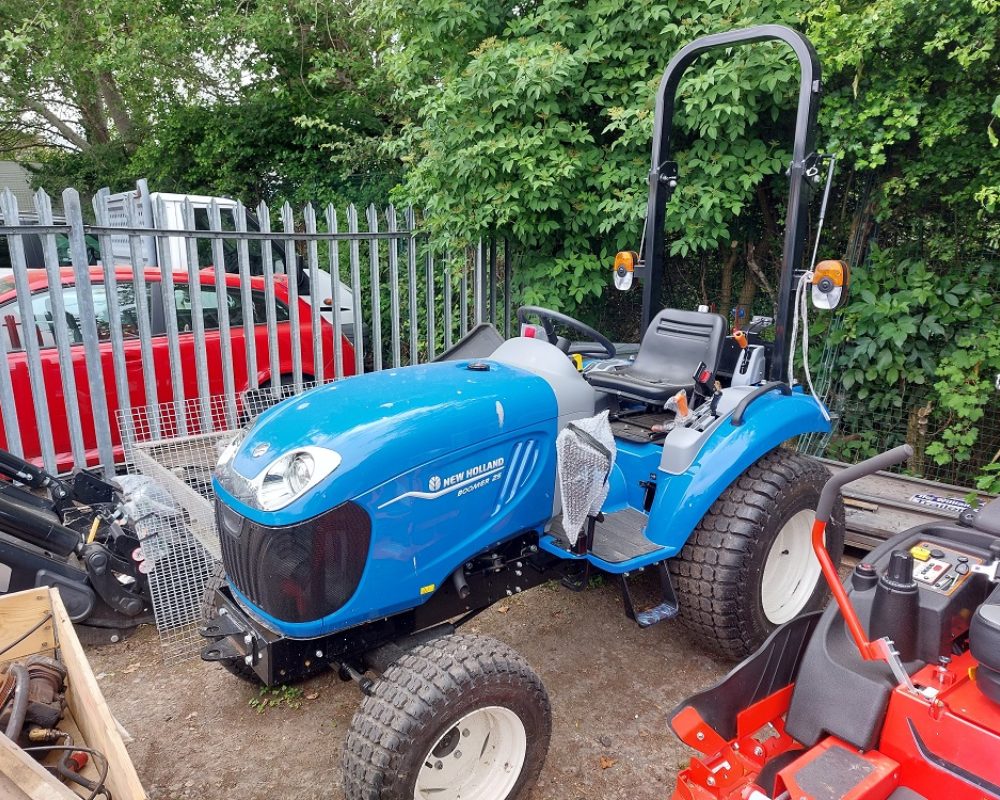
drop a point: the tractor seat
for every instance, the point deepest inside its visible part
(984, 642)
(675, 344)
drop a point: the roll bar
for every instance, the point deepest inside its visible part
(663, 174)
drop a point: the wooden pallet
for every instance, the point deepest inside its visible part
(87, 719)
(881, 505)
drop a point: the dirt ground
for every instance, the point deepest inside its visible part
(198, 732)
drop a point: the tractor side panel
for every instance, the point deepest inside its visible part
(456, 507)
(682, 500)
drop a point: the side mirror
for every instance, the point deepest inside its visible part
(829, 284)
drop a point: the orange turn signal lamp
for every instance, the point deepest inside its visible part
(625, 263)
(626, 260)
(836, 272)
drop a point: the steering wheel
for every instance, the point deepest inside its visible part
(549, 318)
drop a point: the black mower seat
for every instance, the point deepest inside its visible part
(984, 642)
(675, 344)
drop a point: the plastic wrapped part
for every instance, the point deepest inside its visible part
(679, 405)
(586, 452)
(143, 496)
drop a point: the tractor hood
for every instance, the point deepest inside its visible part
(383, 425)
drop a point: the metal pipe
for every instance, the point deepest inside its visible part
(822, 209)
(461, 584)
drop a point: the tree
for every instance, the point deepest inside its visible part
(83, 75)
(261, 101)
(535, 121)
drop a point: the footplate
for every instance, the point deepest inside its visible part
(666, 609)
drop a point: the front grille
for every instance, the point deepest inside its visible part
(301, 572)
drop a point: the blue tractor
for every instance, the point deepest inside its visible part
(363, 522)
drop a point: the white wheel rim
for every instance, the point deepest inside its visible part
(791, 570)
(479, 758)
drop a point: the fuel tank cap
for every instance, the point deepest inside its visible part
(478, 366)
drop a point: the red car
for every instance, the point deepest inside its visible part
(12, 332)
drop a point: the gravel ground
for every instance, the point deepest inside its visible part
(199, 733)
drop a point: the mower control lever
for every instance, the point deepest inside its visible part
(878, 650)
(867, 467)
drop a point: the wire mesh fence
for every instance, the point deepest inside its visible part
(859, 432)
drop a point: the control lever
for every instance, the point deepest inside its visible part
(713, 406)
(991, 570)
(881, 649)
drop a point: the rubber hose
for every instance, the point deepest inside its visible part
(63, 768)
(19, 706)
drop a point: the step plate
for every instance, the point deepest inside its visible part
(616, 540)
(659, 613)
(620, 537)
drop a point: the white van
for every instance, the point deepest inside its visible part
(148, 207)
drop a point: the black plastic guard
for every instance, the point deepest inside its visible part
(773, 667)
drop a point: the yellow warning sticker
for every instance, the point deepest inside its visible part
(428, 589)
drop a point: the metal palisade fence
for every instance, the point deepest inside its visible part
(104, 339)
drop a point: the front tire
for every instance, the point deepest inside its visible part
(748, 566)
(458, 717)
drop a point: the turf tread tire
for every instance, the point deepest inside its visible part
(434, 683)
(724, 555)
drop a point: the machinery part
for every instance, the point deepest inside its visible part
(210, 611)
(21, 516)
(33, 695)
(548, 317)
(97, 787)
(47, 682)
(585, 452)
(896, 607)
(663, 174)
(679, 350)
(460, 716)
(830, 281)
(825, 512)
(721, 575)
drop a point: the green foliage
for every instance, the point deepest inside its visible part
(268, 101)
(964, 389)
(537, 122)
(269, 697)
(903, 316)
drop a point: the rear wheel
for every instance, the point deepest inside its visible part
(458, 717)
(748, 566)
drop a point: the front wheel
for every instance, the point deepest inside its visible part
(749, 566)
(458, 717)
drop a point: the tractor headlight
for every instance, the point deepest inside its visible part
(287, 478)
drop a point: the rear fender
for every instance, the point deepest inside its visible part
(682, 500)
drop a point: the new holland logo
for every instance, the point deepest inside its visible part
(461, 483)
